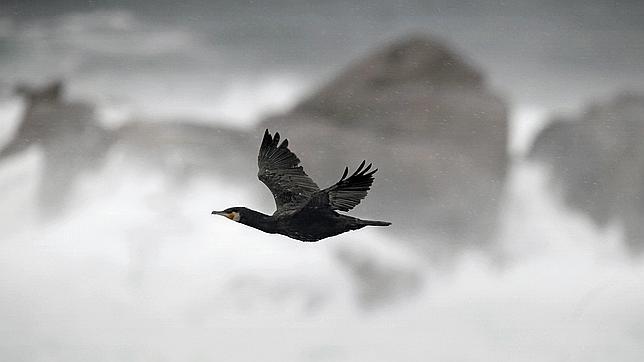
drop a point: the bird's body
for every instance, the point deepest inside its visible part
(306, 224)
(304, 212)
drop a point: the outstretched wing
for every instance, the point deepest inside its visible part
(348, 192)
(279, 170)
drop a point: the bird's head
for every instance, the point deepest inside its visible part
(233, 213)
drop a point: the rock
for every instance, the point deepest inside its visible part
(182, 148)
(597, 162)
(73, 142)
(399, 82)
(426, 120)
(69, 136)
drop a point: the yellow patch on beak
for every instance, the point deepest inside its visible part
(234, 216)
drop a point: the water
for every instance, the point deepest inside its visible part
(138, 269)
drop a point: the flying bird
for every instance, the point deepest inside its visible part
(304, 212)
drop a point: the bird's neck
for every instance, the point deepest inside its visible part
(258, 220)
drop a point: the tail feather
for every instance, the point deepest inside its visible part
(375, 223)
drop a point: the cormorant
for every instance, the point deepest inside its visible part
(304, 212)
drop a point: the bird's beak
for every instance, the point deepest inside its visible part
(230, 215)
(234, 216)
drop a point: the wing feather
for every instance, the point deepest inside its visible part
(280, 171)
(348, 192)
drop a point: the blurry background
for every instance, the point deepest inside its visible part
(507, 134)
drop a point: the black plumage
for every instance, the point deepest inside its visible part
(304, 212)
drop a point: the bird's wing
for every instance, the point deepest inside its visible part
(348, 192)
(279, 170)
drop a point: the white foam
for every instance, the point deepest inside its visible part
(138, 269)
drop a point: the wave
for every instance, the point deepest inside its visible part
(137, 268)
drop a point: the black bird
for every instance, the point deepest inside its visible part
(304, 212)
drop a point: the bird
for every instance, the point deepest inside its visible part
(303, 211)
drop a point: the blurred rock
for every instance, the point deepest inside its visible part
(71, 140)
(183, 148)
(597, 162)
(425, 118)
(395, 89)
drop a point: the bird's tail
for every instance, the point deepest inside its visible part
(375, 223)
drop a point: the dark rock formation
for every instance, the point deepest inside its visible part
(70, 138)
(425, 118)
(397, 89)
(597, 162)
